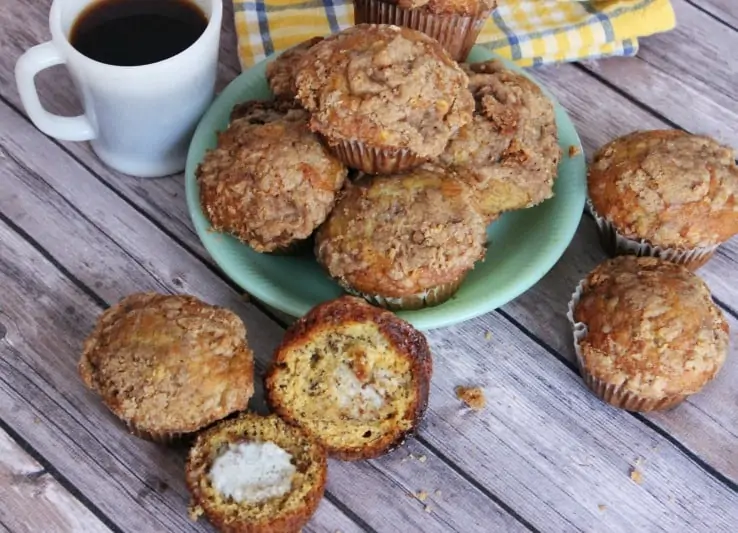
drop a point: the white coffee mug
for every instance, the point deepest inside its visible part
(140, 119)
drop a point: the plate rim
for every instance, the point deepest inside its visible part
(429, 320)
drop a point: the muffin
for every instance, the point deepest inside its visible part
(453, 23)
(509, 152)
(255, 474)
(664, 193)
(354, 377)
(281, 72)
(384, 98)
(269, 182)
(646, 333)
(403, 241)
(168, 365)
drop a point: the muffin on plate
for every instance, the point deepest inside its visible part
(168, 365)
(354, 377)
(509, 153)
(384, 98)
(453, 23)
(646, 333)
(403, 241)
(664, 193)
(269, 182)
(281, 72)
(255, 474)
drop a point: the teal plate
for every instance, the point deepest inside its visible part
(525, 244)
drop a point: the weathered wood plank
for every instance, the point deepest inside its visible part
(32, 500)
(122, 243)
(725, 10)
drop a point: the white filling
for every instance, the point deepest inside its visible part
(353, 394)
(252, 472)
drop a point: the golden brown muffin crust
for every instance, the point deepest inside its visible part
(269, 184)
(344, 317)
(458, 7)
(264, 111)
(281, 72)
(386, 86)
(652, 327)
(283, 514)
(399, 235)
(509, 153)
(168, 364)
(668, 187)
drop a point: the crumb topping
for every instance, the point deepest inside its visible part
(169, 363)
(652, 327)
(269, 184)
(472, 396)
(399, 235)
(667, 187)
(281, 72)
(386, 86)
(458, 7)
(509, 152)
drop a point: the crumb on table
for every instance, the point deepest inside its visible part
(422, 495)
(488, 335)
(471, 396)
(636, 475)
(602, 507)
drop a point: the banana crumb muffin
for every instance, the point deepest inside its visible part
(269, 182)
(384, 98)
(509, 153)
(168, 365)
(403, 241)
(281, 72)
(353, 376)
(255, 474)
(665, 193)
(453, 23)
(647, 333)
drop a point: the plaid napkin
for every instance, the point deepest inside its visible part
(530, 32)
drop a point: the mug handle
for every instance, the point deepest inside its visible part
(33, 61)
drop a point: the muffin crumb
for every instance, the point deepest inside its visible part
(422, 458)
(471, 396)
(602, 507)
(488, 335)
(636, 475)
(574, 150)
(422, 495)
(428, 509)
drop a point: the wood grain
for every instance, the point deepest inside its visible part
(31, 500)
(725, 10)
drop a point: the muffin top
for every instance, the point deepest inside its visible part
(667, 187)
(167, 363)
(458, 7)
(399, 235)
(270, 182)
(388, 87)
(509, 153)
(652, 327)
(281, 72)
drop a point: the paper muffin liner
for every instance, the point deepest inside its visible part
(456, 33)
(295, 248)
(428, 298)
(357, 155)
(615, 395)
(160, 437)
(615, 243)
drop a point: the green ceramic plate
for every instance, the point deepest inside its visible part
(525, 244)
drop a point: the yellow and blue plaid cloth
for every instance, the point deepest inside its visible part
(530, 32)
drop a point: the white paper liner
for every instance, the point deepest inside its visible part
(616, 244)
(615, 395)
(427, 298)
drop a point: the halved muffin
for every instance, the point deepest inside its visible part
(281, 72)
(403, 241)
(269, 182)
(255, 474)
(509, 153)
(168, 365)
(356, 378)
(384, 98)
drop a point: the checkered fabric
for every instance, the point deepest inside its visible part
(530, 32)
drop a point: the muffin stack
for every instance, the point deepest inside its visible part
(442, 149)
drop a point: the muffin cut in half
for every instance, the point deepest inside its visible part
(509, 153)
(403, 241)
(354, 377)
(255, 474)
(384, 98)
(453, 23)
(646, 333)
(269, 182)
(281, 72)
(666, 194)
(168, 365)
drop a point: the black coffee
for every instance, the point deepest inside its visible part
(137, 32)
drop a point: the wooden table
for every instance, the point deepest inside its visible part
(545, 455)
